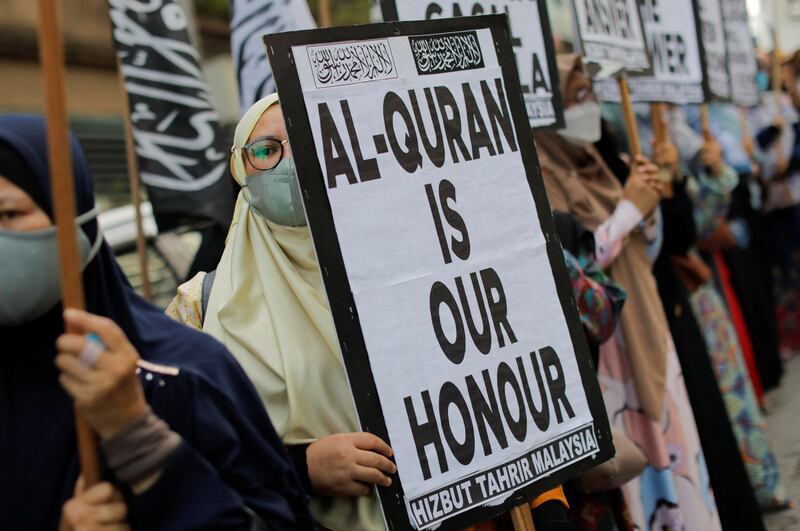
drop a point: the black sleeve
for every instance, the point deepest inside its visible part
(297, 455)
(680, 231)
(552, 516)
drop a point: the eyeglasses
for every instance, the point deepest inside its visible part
(264, 153)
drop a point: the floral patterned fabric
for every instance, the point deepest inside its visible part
(599, 298)
(749, 425)
(674, 492)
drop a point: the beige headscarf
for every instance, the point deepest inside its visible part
(579, 182)
(268, 306)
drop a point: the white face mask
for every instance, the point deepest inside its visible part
(582, 124)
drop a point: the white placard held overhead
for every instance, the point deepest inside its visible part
(672, 30)
(742, 65)
(447, 285)
(531, 38)
(715, 48)
(610, 31)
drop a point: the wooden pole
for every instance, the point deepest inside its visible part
(51, 51)
(705, 128)
(629, 116)
(661, 136)
(133, 178)
(522, 518)
(325, 13)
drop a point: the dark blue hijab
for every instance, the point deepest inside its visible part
(38, 463)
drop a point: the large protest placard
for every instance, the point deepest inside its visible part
(446, 281)
(672, 30)
(181, 152)
(715, 48)
(530, 36)
(611, 31)
(742, 65)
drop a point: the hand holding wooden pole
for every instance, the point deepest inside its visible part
(51, 50)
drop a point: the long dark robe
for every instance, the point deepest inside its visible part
(230, 461)
(735, 499)
(751, 276)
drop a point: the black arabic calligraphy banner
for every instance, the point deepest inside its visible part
(181, 152)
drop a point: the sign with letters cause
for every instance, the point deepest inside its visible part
(531, 39)
(447, 284)
(672, 30)
(610, 31)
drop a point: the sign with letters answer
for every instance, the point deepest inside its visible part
(447, 284)
(531, 39)
(742, 65)
(672, 30)
(610, 31)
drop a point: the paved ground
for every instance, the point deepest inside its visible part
(783, 406)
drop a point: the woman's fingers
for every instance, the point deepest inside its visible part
(70, 365)
(98, 494)
(111, 513)
(367, 441)
(104, 327)
(377, 461)
(371, 476)
(354, 488)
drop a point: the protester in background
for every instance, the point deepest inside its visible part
(268, 305)
(775, 123)
(738, 509)
(185, 442)
(709, 184)
(744, 247)
(642, 385)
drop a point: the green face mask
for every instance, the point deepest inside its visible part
(30, 281)
(275, 194)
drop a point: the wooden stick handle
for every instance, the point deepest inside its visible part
(629, 116)
(657, 118)
(325, 13)
(705, 128)
(133, 178)
(51, 51)
(522, 518)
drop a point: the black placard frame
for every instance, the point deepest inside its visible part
(326, 244)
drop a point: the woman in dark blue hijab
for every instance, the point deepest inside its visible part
(225, 467)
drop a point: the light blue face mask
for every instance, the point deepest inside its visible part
(30, 281)
(762, 81)
(275, 194)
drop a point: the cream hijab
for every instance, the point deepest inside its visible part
(268, 306)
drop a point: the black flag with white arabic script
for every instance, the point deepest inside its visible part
(180, 148)
(250, 21)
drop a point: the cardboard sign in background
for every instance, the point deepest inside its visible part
(531, 38)
(611, 31)
(715, 49)
(672, 30)
(446, 281)
(742, 65)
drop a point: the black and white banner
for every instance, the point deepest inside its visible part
(181, 153)
(531, 38)
(454, 310)
(715, 48)
(250, 21)
(742, 66)
(672, 30)
(610, 32)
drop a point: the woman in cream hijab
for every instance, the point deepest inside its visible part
(268, 307)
